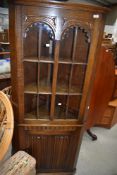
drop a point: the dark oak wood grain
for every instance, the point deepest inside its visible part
(52, 77)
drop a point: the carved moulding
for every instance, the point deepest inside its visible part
(86, 27)
(30, 20)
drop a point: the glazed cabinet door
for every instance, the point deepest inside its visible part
(38, 63)
(72, 64)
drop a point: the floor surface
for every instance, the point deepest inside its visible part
(98, 157)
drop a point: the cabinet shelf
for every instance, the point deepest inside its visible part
(42, 115)
(4, 53)
(69, 61)
(32, 88)
(5, 43)
(48, 60)
(5, 76)
(61, 89)
(60, 113)
(45, 89)
(38, 60)
(68, 93)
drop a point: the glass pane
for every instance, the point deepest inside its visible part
(39, 39)
(82, 47)
(63, 78)
(74, 45)
(78, 76)
(30, 77)
(66, 45)
(45, 77)
(73, 107)
(47, 42)
(30, 107)
(61, 106)
(31, 42)
(67, 107)
(44, 106)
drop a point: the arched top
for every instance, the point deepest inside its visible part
(41, 25)
(47, 23)
(39, 35)
(85, 27)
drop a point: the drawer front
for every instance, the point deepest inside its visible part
(106, 120)
(109, 112)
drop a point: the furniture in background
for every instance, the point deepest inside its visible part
(4, 36)
(19, 163)
(110, 115)
(109, 118)
(4, 50)
(5, 80)
(55, 46)
(5, 76)
(6, 124)
(103, 99)
(8, 92)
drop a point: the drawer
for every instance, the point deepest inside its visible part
(109, 112)
(106, 120)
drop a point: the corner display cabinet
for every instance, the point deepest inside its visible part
(54, 46)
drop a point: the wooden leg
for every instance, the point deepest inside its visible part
(93, 136)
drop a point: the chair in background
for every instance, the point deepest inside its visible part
(21, 162)
(6, 124)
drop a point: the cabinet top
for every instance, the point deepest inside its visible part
(88, 5)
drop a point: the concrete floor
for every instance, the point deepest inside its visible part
(99, 157)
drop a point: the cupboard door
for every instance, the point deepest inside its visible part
(52, 149)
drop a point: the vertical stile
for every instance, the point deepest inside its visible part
(49, 74)
(38, 71)
(73, 57)
(54, 83)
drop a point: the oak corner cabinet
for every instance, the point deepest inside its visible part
(54, 46)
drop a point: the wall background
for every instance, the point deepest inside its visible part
(4, 22)
(111, 23)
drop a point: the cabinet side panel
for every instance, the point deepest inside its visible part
(16, 61)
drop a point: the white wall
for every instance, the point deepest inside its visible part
(3, 11)
(111, 23)
(3, 19)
